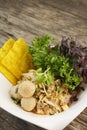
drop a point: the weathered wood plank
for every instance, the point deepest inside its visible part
(30, 18)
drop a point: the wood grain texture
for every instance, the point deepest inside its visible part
(30, 18)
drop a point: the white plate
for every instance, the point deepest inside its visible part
(54, 122)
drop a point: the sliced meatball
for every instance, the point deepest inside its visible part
(26, 89)
(14, 92)
(28, 104)
(30, 75)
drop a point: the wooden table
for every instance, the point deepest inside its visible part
(30, 18)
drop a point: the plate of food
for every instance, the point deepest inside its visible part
(42, 83)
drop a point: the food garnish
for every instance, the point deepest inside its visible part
(44, 56)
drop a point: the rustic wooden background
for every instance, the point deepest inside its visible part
(30, 18)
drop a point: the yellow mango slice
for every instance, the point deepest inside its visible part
(3, 52)
(6, 47)
(26, 63)
(17, 60)
(8, 75)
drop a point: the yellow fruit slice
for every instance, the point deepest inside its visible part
(8, 75)
(6, 47)
(16, 61)
(3, 52)
(26, 63)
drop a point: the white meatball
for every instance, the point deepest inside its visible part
(30, 75)
(28, 104)
(26, 89)
(14, 92)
